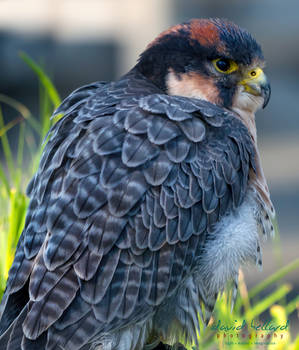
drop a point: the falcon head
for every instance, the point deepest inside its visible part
(210, 59)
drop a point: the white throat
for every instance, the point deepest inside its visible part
(245, 106)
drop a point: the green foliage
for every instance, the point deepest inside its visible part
(43, 79)
(14, 176)
(15, 172)
(248, 310)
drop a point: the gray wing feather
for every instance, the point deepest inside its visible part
(129, 184)
(42, 313)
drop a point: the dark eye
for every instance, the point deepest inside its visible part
(224, 65)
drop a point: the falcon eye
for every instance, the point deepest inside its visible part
(224, 65)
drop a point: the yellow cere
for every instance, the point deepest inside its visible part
(255, 73)
(253, 77)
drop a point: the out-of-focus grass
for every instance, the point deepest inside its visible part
(15, 172)
(248, 310)
(14, 176)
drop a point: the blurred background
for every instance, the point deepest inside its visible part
(80, 41)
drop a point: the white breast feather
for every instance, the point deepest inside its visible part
(233, 243)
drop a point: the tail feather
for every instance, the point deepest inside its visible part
(11, 339)
(4, 339)
(16, 336)
(11, 307)
(37, 344)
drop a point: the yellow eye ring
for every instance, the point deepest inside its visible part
(224, 65)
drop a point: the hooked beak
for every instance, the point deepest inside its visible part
(257, 84)
(266, 93)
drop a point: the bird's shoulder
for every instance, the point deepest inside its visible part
(125, 152)
(129, 183)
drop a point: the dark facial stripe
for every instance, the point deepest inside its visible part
(226, 94)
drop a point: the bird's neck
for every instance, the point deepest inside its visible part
(248, 118)
(257, 177)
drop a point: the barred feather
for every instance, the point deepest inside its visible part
(129, 184)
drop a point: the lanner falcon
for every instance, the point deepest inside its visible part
(148, 198)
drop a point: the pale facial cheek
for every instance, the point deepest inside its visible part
(192, 85)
